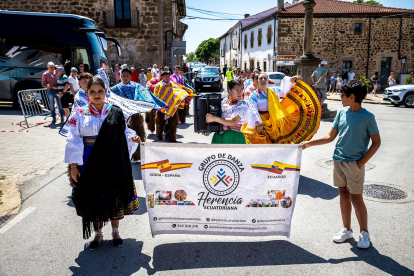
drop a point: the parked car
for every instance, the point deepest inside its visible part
(198, 66)
(275, 78)
(400, 94)
(208, 78)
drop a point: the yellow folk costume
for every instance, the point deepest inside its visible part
(174, 96)
(293, 120)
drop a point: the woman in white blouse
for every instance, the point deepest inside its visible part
(98, 149)
(235, 113)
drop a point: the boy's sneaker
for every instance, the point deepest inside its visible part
(364, 240)
(343, 235)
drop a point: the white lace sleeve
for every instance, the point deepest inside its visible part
(285, 86)
(247, 113)
(74, 142)
(132, 147)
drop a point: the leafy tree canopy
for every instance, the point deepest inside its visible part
(190, 57)
(368, 2)
(208, 49)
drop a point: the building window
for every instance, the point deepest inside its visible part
(258, 64)
(245, 66)
(245, 41)
(259, 38)
(264, 65)
(269, 34)
(358, 28)
(347, 65)
(251, 39)
(251, 64)
(122, 13)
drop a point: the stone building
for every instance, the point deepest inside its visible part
(348, 35)
(138, 25)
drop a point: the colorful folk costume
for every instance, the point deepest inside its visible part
(150, 116)
(101, 144)
(189, 85)
(293, 120)
(135, 91)
(183, 110)
(174, 96)
(233, 135)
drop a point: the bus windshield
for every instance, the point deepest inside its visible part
(99, 55)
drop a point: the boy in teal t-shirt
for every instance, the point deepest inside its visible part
(355, 127)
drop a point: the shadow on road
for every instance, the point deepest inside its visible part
(316, 189)
(136, 171)
(230, 254)
(241, 254)
(372, 257)
(110, 260)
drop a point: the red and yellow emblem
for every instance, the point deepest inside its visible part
(166, 166)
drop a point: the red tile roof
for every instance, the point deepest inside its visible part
(331, 7)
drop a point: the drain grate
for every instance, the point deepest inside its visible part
(384, 192)
(4, 219)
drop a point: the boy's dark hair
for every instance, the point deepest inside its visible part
(96, 80)
(356, 87)
(165, 72)
(231, 84)
(85, 76)
(126, 70)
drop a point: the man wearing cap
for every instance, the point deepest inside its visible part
(319, 81)
(73, 81)
(134, 75)
(49, 81)
(155, 72)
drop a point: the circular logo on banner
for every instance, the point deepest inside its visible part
(221, 177)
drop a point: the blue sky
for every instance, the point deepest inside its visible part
(199, 30)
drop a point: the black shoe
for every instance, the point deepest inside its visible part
(118, 242)
(95, 244)
(54, 121)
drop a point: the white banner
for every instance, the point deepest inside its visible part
(238, 190)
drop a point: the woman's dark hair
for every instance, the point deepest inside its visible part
(96, 80)
(231, 84)
(376, 74)
(287, 70)
(356, 87)
(126, 70)
(165, 72)
(85, 76)
(255, 76)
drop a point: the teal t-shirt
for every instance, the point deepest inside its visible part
(354, 129)
(319, 72)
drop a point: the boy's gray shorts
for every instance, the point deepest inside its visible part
(321, 93)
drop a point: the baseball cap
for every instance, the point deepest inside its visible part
(73, 69)
(323, 62)
(60, 67)
(50, 63)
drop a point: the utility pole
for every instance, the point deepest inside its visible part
(160, 21)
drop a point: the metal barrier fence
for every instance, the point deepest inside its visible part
(34, 102)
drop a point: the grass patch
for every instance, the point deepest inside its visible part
(2, 177)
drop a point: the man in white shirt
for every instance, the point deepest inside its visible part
(351, 74)
(155, 73)
(73, 81)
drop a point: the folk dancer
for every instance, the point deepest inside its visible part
(189, 85)
(235, 113)
(150, 116)
(134, 91)
(103, 185)
(293, 120)
(167, 118)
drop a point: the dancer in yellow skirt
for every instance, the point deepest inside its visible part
(293, 120)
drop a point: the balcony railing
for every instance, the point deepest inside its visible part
(121, 19)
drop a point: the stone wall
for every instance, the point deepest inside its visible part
(335, 41)
(139, 46)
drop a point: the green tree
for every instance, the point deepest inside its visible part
(368, 2)
(208, 49)
(190, 57)
(408, 80)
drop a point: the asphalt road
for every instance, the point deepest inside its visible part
(46, 238)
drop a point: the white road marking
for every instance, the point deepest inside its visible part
(18, 218)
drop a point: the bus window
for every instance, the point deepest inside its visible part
(81, 56)
(98, 53)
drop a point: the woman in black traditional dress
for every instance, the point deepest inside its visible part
(99, 148)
